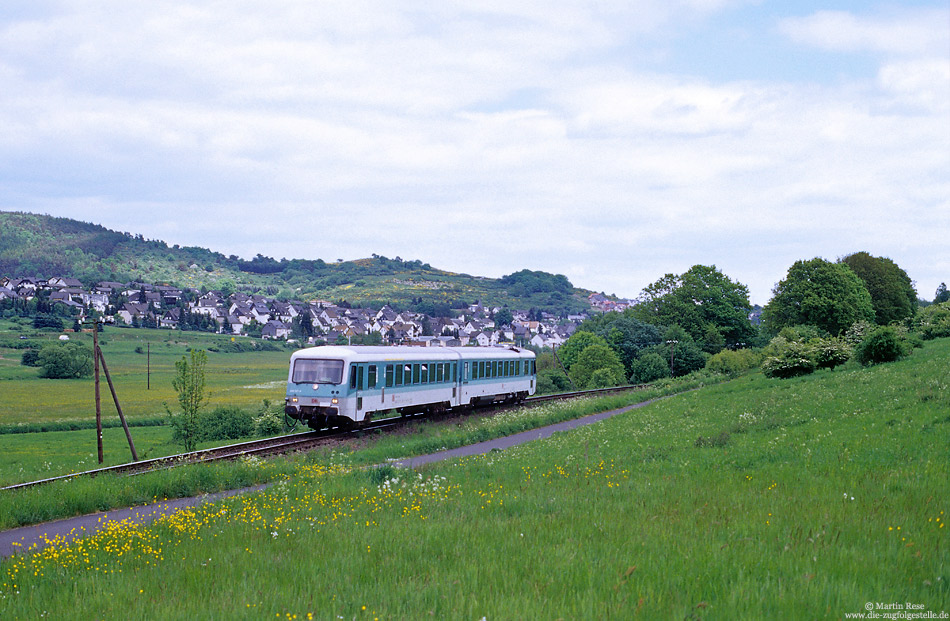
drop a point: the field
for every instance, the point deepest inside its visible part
(143, 380)
(751, 499)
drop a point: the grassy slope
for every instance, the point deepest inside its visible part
(747, 500)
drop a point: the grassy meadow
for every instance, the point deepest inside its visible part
(750, 499)
(143, 381)
(142, 365)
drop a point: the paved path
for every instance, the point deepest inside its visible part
(21, 539)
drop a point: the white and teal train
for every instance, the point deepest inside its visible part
(332, 386)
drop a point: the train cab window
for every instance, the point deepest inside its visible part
(389, 376)
(371, 377)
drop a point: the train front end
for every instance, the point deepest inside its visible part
(315, 387)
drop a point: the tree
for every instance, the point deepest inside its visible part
(892, 293)
(572, 347)
(627, 335)
(829, 296)
(703, 301)
(600, 360)
(942, 294)
(190, 385)
(65, 361)
(503, 317)
(650, 367)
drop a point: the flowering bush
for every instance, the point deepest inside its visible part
(882, 345)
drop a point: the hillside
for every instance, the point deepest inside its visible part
(44, 246)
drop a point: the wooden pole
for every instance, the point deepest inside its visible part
(118, 407)
(95, 356)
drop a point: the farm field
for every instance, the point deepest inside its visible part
(239, 378)
(808, 498)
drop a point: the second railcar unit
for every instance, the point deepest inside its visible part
(334, 385)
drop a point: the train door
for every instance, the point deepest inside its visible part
(357, 373)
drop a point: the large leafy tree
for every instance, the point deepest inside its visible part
(572, 347)
(829, 296)
(892, 292)
(65, 360)
(627, 335)
(703, 301)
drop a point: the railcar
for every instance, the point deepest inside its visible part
(331, 386)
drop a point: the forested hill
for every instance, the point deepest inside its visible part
(43, 246)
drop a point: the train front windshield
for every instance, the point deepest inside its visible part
(315, 371)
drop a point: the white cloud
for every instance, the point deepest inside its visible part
(910, 32)
(480, 137)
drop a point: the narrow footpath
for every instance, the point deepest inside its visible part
(26, 538)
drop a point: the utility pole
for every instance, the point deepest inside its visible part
(98, 359)
(95, 359)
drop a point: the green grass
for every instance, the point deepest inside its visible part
(805, 499)
(143, 383)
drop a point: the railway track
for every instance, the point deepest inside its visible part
(275, 445)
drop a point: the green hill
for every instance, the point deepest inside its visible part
(45, 246)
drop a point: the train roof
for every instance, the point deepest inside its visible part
(405, 352)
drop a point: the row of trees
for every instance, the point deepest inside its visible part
(821, 314)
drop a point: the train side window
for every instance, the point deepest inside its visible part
(424, 377)
(389, 376)
(399, 368)
(353, 377)
(415, 374)
(371, 377)
(359, 377)
(465, 371)
(455, 367)
(481, 368)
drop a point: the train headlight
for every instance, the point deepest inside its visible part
(293, 399)
(334, 400)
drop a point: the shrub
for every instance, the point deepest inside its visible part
(30, 358)
(785, 359)
(649, 368)
(225, 423)
(831, 352)
(605, 378)
(48, 321)
(733, 362)
(269, 421)
(882, 345)
(935, 321)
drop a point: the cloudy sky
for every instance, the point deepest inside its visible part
(611, 141)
